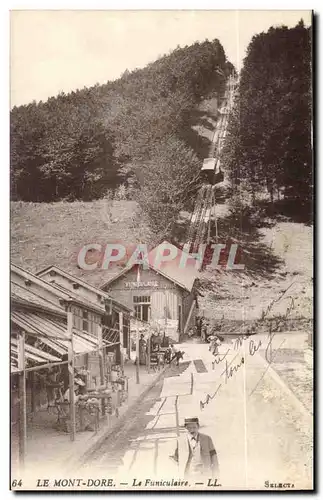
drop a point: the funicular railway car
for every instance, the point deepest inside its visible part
(211, 171)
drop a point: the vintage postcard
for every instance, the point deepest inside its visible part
(161, 250)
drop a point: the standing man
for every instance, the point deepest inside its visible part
(203, 330)
(195, 453)
(158, 341)
(142, 350)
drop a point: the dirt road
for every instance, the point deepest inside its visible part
(259, 432)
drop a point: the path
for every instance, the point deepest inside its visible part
(259, 433)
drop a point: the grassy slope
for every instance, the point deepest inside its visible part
(43, 234)
(242, 296)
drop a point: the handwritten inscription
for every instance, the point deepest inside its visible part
(218, 358)
(270, 356)
(275, 301)
(269, 348)
(209, 397)
(233, 366)
(239, 341)
(254, 346)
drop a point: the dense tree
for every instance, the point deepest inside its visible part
(76, 146)
(167, 181)
(269, 136)
(26, 138)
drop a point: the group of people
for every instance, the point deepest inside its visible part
(171, 353)
(155, 344)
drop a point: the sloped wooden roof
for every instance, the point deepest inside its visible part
(183, 276)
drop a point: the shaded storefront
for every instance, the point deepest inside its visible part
(67, 360)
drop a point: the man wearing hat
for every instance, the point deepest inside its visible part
(195, 453)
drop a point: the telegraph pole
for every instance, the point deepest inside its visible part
(71, 370)
(22, 400)
(137, 357)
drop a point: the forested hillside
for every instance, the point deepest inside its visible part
(268, 146)
(133, 131)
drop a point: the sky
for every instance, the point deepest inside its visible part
(64, 50)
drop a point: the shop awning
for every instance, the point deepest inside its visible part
(31, 353)
(81, 345)
(50, 332)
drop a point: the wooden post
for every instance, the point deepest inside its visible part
(177, 426)
(33, 392)
(71, 370)
(215, 220)
(148, 353)
(101, 364)
(22, 400)
(182, 319)
(129, 339)
(88, 378)
(121, 341)
(176, 415)
(209, 231)
(137, 357)
(165, 310)
(210, 219)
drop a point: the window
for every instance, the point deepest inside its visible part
(85, 322)
(142, 307)
(144, 299)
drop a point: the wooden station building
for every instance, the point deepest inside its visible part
(163, 295)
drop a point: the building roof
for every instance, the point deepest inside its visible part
(46, 320)
(60, 292)
(82, 283)
(184, 277)
(28, 297)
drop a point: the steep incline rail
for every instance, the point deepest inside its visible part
(204, 205)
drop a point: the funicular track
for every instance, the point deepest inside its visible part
(203, 212)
